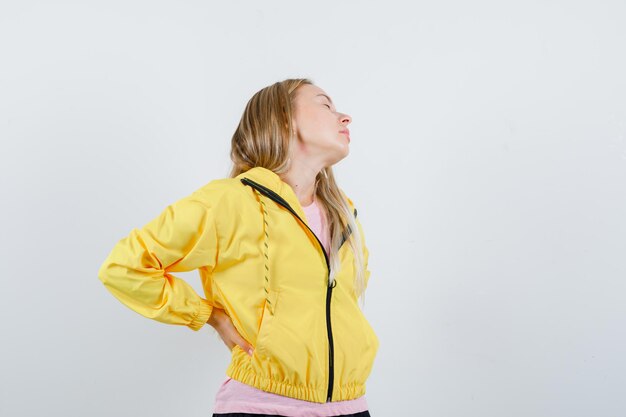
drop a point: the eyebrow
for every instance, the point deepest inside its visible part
(321, 94)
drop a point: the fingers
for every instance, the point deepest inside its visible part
(230, 335)
(245, 346)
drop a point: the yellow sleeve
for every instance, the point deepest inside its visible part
(138, 269)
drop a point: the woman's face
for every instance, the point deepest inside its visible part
(322, 131)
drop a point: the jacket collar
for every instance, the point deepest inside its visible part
(272, 181)
(269, 183)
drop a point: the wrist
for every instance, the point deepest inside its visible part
(213, 318)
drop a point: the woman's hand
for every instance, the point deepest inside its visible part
(222, 323)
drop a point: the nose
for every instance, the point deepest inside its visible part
(346, 119)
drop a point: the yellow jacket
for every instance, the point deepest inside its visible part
(311, 340)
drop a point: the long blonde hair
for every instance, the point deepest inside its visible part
(263, 138)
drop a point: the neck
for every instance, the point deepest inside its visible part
(302, 181)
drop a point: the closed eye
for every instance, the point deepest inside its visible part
(327, 105)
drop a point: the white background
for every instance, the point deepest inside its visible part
(487, 162)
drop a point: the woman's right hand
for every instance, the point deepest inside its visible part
(222, 323)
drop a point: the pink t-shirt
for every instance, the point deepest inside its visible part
(237, 397)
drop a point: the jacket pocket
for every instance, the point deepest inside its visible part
(270, 310)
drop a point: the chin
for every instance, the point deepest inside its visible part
(338, 157)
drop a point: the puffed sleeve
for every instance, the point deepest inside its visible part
(138, 271)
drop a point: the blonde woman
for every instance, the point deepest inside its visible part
(282, 259)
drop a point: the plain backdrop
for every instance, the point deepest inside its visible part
(487, 162)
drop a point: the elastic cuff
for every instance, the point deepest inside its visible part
(202, 315)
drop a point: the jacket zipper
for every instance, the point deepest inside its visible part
(329, 288)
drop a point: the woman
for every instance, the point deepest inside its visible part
(282, 259)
